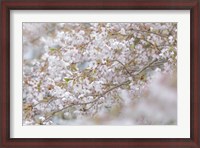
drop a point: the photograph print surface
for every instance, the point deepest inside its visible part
(99, 73)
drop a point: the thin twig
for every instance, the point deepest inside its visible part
(145, 67)
(124, 67)
(149, 32)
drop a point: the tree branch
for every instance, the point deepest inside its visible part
(85, 103)
(149, 32)
(145, 67)
(124, 67)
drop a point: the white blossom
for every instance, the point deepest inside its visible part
(99, 73)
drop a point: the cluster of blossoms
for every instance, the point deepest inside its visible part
(87, 73)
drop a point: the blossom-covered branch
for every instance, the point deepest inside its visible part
(85, 69)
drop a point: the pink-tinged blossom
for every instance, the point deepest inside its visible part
(99, 73)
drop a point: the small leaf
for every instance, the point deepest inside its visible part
(27, 107)
(171, 48)
(98, 61)
(136, 41)
(132, 46)
(46, 99)
(38, 86)
(147, 45)
(52, 49)
(94, 71)
(73, 67)
(67, 80)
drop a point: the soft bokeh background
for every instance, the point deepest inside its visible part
(153, 103)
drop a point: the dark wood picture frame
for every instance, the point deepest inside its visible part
(192, 5)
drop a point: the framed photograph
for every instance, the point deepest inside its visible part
(100, 74)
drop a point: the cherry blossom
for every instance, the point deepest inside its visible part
(99, 73)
